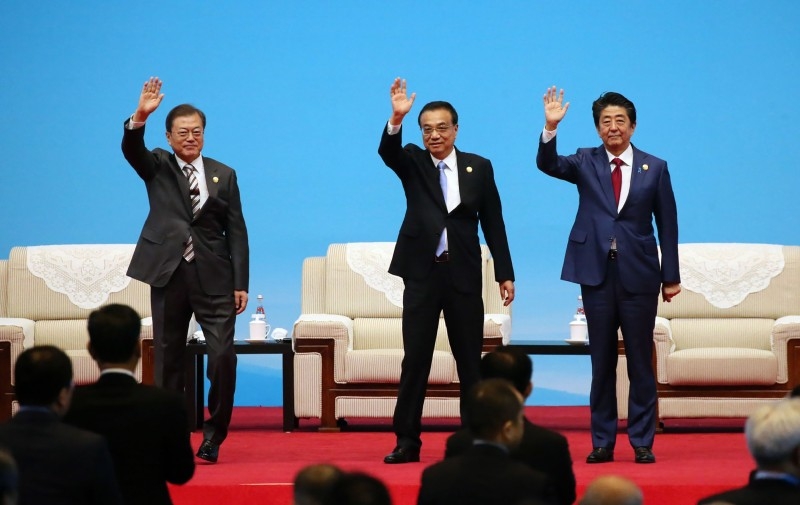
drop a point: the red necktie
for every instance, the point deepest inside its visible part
(616, 178)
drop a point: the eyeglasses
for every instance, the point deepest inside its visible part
(184, 134)
(441, 129)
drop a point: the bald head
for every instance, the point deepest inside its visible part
(612, 490)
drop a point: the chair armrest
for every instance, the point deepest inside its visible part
(784, 329)
(11, 326)
(494, 322)
(311, 330)
(664, 345)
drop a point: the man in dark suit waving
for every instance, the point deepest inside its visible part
(193, 251)
(612, 253)
(437, 253)
(145, 426)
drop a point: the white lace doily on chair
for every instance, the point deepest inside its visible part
(726, 273)
(86, 274)
(371, 261)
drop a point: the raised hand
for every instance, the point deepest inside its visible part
(150, 99)
(401, 102)
(554, 108)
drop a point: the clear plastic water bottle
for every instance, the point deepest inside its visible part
(580, 315)
(260, 307)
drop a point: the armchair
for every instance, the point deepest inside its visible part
(348, 341)
(731, 340)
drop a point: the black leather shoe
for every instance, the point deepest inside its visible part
(644, 455)
(600, 455)
(402, 455)
(208, 451)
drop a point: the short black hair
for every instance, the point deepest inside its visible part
(114, 333)
(40, 373)
(437, 105)
(182, 110)
(508, 363)
(490, 404)
(358, 488)
(612, 98)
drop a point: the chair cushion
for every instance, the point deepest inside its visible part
(722, 366)
(383, 365)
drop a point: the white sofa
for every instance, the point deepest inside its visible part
(730, 341)
(348, 340)
(46, 296)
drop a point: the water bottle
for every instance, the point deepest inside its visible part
(580, 315)
(258, 325)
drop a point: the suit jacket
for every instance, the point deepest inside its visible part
(541, 449)
(59, 464)
(759, 492)
(146, 430)
(483, 475)
(597, 220)
(218, 231)
(426, 216)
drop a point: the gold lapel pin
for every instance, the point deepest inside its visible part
(216, 179)
(645, 167)
(469, 170)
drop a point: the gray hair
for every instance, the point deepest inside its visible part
(773, 432)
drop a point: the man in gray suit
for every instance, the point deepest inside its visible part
(193, 251)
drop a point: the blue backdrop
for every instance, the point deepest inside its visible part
(296, 94)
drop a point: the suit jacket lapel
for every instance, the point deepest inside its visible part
(183, 183)
(211, 173)
(637, 173)
(603, 170)
(465, 186)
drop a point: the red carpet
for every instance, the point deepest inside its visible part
(258, 461)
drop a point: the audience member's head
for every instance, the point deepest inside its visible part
(8, 479)
(114, 335)
(612, 490)
(313, 483)
(511, 364)
(494, 411)
(358, 489)
(795, 392)
(773, 436)
(43, 377)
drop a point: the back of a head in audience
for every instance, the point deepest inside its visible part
(612, 490)
(511, 364)
(43, 378)
(313, 484)
(494, 412)
(9, 478)
(114, 335)
(773, 436)
(358, 489)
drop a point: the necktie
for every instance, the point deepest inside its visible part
(443, 183)
(194, 195)
(616, 178)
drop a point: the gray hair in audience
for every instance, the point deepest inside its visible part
(773, 432)
(612, 490)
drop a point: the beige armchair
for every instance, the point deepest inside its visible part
(731, 340)
(46, 296)
(348, 342)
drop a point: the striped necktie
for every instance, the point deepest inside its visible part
(194, 195)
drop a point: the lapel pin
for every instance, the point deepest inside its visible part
(469, 170)
(216, 179)
(645, 167)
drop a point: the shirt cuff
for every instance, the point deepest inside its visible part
(392, 129)
(134, 125)
(548, 135)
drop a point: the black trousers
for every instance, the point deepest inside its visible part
(172, 307)
(423, 302)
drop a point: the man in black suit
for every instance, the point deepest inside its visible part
(773, 438)
(145, 426)
(58, 464)
(9, 476)
(438, 254)
(193, 251)
(485, 473)
(544, 450)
